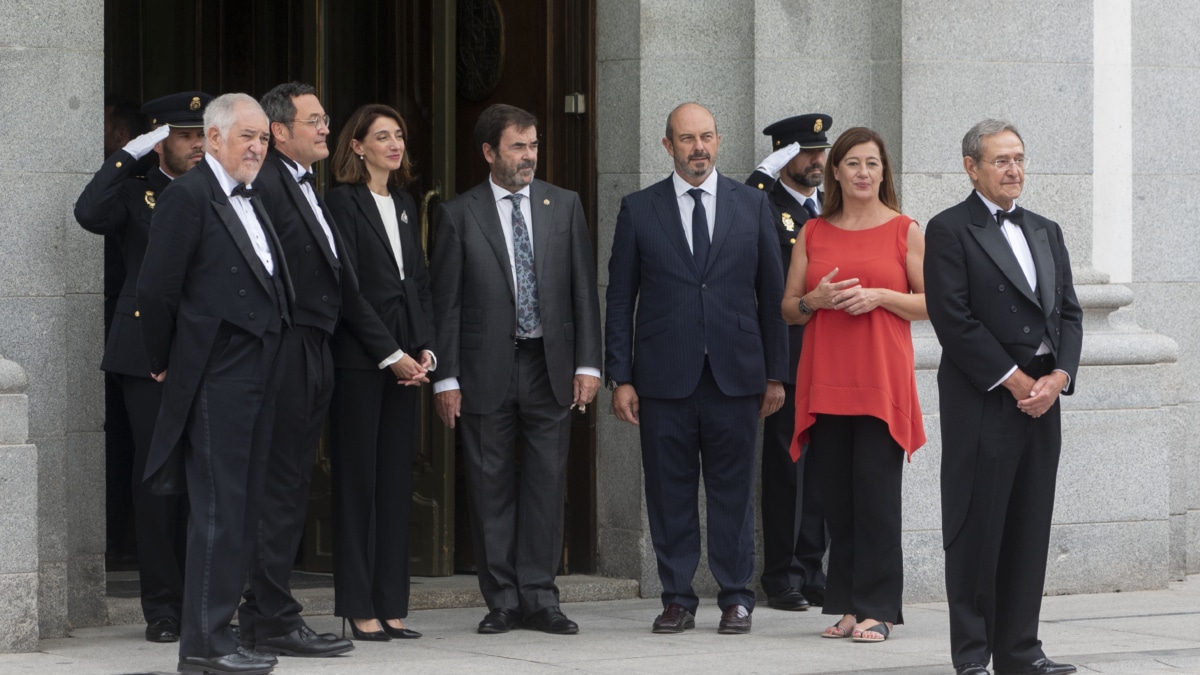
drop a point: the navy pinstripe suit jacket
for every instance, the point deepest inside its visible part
(664, 314)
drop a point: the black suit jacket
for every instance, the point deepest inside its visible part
(120, 201)
(316, 270)
(199, 274)
(728, 313)
(475, 300)
(383, 313)
(988, 319)
(790, 216)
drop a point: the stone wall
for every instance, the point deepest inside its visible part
(51, 67)
(922, 72)
(18, 515)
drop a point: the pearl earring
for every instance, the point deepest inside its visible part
(360, 158)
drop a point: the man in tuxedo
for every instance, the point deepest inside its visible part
(214, 298)
(269, 619)
(518, 334)
(794, 538)
(697, 256)
(119, 202)
(999, 292)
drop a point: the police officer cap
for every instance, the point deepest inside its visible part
(807, 130)
(184, 109)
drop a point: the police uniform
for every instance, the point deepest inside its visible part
(794, 537)
(119, 201)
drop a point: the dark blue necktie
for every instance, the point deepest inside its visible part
(811, 207)
(700, 242)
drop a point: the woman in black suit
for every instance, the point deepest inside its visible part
(374, 403)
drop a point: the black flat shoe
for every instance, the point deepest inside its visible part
(1042, 666)
(230, 664)
(399, 633)
(363, 636)
(303, 642)
(970, 669)
(788, 600)
(551, 620)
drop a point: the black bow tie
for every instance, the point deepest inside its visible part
(243, 190)
(1016, 216)
(308, 177)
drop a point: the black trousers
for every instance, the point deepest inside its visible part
(793, 519)
(306, 386)
(372, 427)
(996, 566)
(160, 521)
(517, 506)
(227, 441)
(711, 433)
(860, 466)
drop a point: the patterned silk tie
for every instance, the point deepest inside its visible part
(527, 293)
(700, 242)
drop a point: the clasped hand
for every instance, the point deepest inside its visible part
(846, 295)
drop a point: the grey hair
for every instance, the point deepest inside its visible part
(222, 110)
(278, 104)
(671, 115)
(973, 141)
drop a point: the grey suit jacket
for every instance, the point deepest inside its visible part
(474, 300)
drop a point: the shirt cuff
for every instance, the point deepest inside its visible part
(1001, 380)
(396, 356)
(584, 370)
(1068, 384)
(432, 359)
(448, 384)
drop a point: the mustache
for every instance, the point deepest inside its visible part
(699, 155)
(526, 164)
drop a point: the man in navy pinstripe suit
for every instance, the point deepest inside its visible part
(699, 362)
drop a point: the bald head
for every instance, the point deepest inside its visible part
(692, 142)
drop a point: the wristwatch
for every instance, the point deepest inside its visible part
(805, 310)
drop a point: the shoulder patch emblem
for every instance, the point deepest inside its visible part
(150, 198)
(788, 223)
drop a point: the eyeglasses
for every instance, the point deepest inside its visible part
(316, 121)
(1003, 163)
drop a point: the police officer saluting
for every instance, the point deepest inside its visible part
(119, 201)
(794, 539)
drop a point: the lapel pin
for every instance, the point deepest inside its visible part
(150, 198)
(546, 202)
(404, 216)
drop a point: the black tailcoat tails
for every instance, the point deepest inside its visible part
(999, 465)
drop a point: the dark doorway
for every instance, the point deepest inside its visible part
(439, 62)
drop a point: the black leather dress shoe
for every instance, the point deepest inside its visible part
(789, 600)
(970, 669)
(162, 630)
(735, 620)
(303, 642)
(499, 621)
(241, 663)
(551, 620)
(1042, 666)
(674, 619)
(815, 595)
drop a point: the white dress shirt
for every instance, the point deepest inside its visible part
(687, 204)
(311, 195)
(245, 211)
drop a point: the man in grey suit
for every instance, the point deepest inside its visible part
(697, 350)
(518, 340)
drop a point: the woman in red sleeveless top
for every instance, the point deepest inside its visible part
(856, 281)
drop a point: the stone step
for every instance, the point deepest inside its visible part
(451, 592)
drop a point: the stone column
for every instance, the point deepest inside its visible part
(51, 64)
(18, 516)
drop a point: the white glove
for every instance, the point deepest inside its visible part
(779, 159)
(143, 144)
